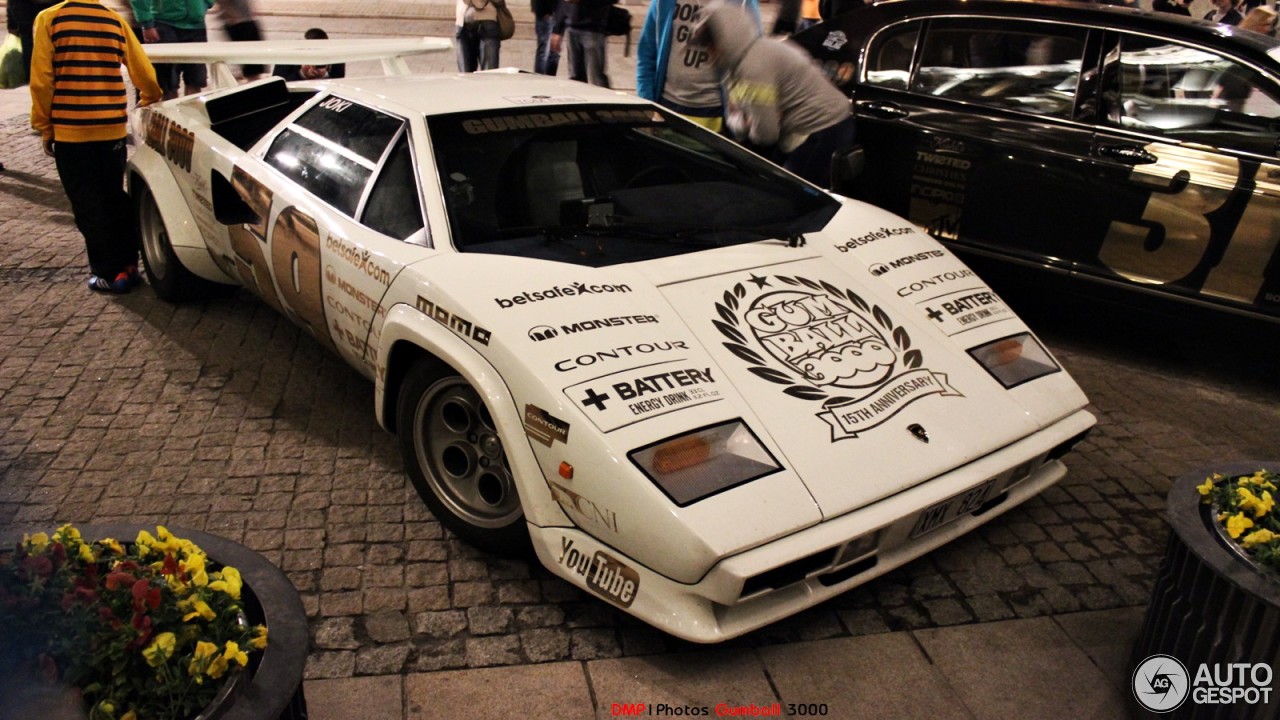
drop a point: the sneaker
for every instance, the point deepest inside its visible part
(119, 286)
(135, 276)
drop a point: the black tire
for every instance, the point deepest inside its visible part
(456, 461)
(168, 278)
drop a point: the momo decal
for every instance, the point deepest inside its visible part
(871, 237)
(966, 309)
(581, 506)
(830, 346)
(543, 426)
(630, 396)
(539, 333)
(559, 291)
(625, 351)
(456, 323)
(603, 573)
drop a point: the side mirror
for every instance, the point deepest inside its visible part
(846, 165)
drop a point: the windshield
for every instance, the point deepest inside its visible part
(603, 185)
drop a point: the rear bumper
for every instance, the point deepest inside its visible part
(765, 584)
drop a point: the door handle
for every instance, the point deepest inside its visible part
(1128, 154)
(888, 111)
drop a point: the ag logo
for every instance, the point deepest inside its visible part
(827, 345)
(1161, 683)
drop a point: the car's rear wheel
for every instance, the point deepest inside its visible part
(456, 460)
(168, 278)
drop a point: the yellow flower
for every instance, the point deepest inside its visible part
(67, 533)
(217, 667)
(113, 545)
(166, 542)
(38, 542)
(200, 658)
(228, 582)
(86, 554)
(1237, 524)
(195, 570)
(1258, 537)
(199, 608)
(160, 649)
(234, 653)
(144, 541)
(1265, 505)
(1249, 501)
(1207, 487)
(259, 640)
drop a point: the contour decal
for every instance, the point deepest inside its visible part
(822, 344)
(543, 426)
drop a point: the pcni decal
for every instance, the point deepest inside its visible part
(828, 346)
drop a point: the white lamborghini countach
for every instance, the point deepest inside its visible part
(700, 388)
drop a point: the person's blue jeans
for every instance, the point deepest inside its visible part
(586, 56)
(478, 46)
(545, 62)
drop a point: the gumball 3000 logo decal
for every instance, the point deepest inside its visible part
(827, 345)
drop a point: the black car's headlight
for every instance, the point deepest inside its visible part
(701, 463)
(1015, 359)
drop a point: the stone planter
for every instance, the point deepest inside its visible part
(1210, 605)
(271, 686)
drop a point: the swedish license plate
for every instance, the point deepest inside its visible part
(953, 508)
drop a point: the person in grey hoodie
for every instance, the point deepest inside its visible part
(777, 98)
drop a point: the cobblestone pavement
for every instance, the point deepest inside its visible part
(223, 417)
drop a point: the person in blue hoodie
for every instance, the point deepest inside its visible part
(675, 74)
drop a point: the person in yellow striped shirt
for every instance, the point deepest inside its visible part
(79, 106)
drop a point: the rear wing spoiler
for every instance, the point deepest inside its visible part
(220, 55)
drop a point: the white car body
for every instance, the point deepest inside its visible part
(580, 367)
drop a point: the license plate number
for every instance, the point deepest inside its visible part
(953, 508)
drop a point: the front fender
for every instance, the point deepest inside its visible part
(147, 168)
(406, 329)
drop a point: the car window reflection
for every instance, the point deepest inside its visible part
(1028, 67)
(1193, 95)
(603, 185)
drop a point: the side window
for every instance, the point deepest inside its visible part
(1025, 66)
(394, 207)
(1193, 95)
(889, 57)
(332, 149)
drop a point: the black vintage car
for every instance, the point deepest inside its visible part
(1125, 148)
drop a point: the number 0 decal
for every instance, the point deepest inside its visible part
(248, 241)
(295, 262)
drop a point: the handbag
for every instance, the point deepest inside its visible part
(506, 23)
(13, 72)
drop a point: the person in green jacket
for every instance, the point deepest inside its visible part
(175, 21)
